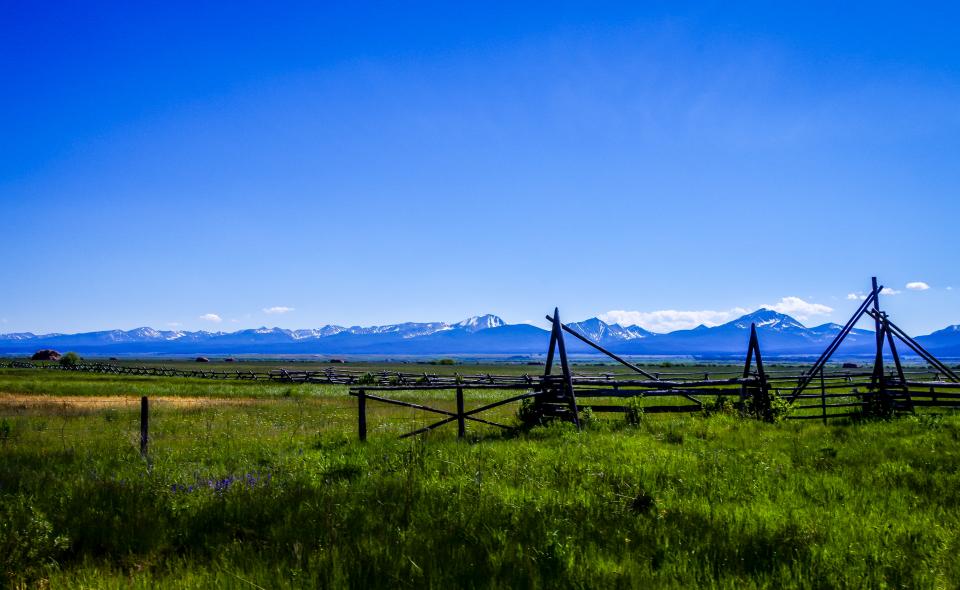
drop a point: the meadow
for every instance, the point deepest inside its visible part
(256, 484)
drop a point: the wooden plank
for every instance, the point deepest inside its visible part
(495, 404)
(934, 395)
(451, 419)
(629, 393)
(818, 406)
(450, 387)
(936, 403)
(823, 396)
(817, 416)
(646, 409)
(488, 422)
(409, 405)
(428, 428)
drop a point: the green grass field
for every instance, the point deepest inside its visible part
(253, 484)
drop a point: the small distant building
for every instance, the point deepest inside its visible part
(46, 355)
(229, 360)
(337, 361)
(851, 366)
(202, 359)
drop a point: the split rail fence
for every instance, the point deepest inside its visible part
(813, 393)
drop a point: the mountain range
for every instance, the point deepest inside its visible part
(780, 335)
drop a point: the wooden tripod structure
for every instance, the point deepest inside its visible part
(558, 399)
(758, 394)
(888, 393)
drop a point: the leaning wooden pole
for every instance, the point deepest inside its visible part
(553, 343)
(823, 396)
(746, 366)
(761, 374)
(878, 373)
(599, 348)
(893, 349)
(832, 347)
(922, 352)
(565, 366)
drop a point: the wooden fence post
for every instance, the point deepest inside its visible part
(144, 425)
(823, 395)
(362, 414)
(461, 425)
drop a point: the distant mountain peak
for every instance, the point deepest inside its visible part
(768, 319)
(480, 322)
(601, 332)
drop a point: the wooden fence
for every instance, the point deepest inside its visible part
(882, 392)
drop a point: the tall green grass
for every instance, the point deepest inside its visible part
(673, 502)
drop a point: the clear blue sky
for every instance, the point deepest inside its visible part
(367, 164)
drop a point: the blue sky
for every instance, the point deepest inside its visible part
(666, 164)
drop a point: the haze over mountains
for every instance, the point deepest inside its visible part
(780, 335)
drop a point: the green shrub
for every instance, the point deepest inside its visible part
(367, 379)
(528, 413)
(779, 407)
(71, 359)
(720, 405)
(587, 418)
(772, 408)
(634, 413)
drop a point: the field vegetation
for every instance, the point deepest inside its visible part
(254, 484)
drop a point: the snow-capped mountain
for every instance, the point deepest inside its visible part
(262, 339)
(317, 332)
(603, 333)
(406, 330)
(18, 336)
(779, 334)
(480, 322)
(769, 320)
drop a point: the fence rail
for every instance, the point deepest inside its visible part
(341, 376)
